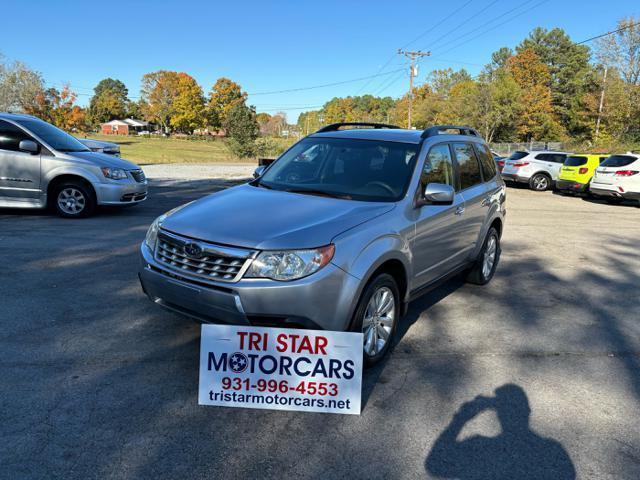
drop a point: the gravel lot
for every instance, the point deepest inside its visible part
(100, 383)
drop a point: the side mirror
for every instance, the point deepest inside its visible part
(437, 194)
(259, 171)
(28, 146)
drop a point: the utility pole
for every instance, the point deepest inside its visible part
(604, 86)
(412, 73)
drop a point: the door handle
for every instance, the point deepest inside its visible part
(459, 210)
(486, 201)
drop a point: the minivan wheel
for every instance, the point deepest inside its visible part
(485, 267)
(73, 200)
(377, 317)
(539, 182)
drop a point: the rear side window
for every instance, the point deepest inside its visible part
(517, 155)
(602, 159)
(467, 165)
(575, 161)
(11, 136)
(486, 161)
(438, 168)
(618, 161)
(551, 157)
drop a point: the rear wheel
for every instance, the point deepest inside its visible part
(540, 182)
(485, 267)
(73, 200)
(377, 317)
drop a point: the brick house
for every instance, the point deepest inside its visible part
(123, 127)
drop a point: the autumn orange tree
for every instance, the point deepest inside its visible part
(225, 94)
(536, 119)
(159, 91)
(58, 107)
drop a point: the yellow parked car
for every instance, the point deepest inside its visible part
(577, 171)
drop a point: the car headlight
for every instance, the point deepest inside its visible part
(114, 173)
(152, 233)
(289, 264)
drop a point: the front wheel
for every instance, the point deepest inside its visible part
(485, 267)
(377, 317)
(540, 182)
(73, 200)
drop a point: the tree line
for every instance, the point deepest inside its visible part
(548, 89)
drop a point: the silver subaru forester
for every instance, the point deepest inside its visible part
(41, 165)
(339, 233)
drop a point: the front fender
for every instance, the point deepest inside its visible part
(85, 173)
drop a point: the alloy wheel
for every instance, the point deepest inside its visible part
(489, 257)
(71, 201)
(540, 182)
(378, 322)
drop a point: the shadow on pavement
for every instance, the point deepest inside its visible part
(516, 453)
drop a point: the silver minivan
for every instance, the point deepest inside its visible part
(339, 233)
(41, 165)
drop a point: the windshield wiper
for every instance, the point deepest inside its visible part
(311, 191)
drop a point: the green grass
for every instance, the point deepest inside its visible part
(147, 151)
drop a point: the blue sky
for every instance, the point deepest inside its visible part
(275, 45)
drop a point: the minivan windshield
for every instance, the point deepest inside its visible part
(54, 137)
(517, 155)
(354, 169)
(618, 161)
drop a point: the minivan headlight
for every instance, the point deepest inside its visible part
(114, 173)
(152, 233)
(290, 264)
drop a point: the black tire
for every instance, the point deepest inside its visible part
(379, 283)
(478, 275)
(84, 199)
(613, 200)
(540, 182)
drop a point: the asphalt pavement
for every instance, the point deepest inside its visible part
(536, 375)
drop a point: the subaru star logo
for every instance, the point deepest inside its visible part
(193, 250)
(238, 362)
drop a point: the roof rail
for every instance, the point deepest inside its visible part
(336, 126)
(438, 129)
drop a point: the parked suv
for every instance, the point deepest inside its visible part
(41, 165)
(538, 169)
(339, 233)
(618, 178)
(577, 171)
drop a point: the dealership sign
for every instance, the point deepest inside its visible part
(280, 369)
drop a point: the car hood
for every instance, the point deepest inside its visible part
(258, 218)
(104, 160)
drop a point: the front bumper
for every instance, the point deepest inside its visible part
(126, 193)
(572, 186)
(323, 300)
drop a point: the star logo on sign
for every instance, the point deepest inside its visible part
(238, 362)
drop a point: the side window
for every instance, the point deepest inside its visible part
(438, 167)
(11, 136)
(545, 157)
(559, 158)
(486, 161)
(467, 165)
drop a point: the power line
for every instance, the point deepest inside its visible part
(333, 84)
(608, 33)
(484, 32)
(429, 30)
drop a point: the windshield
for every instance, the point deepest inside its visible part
(575, 161)
(618, 161)
(53, 136)
(366, 170)
(517, 155)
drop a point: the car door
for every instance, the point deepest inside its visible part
(19, 171)
(473, 191)
(436, 246)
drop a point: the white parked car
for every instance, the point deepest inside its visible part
(538, 169)
(617, 178)
(101, 147)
